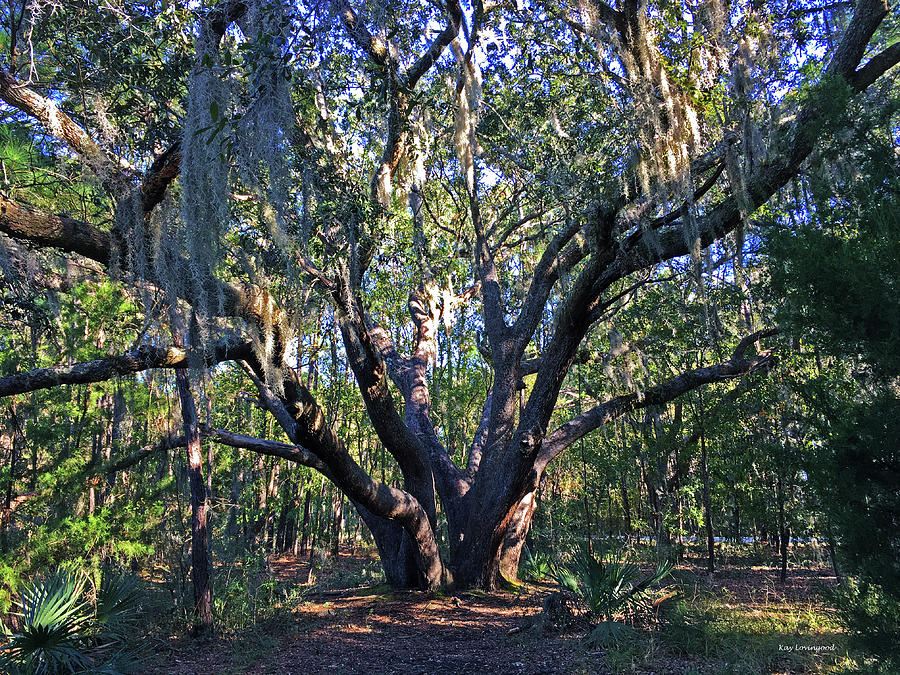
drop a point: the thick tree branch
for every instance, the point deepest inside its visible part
(410, 376)
(144, 357)
(494, 314)
(159, 177)
(220, 17)
(476, 449)
(875, 67)
(369, 369)
(737, 366)
(767, 179)
(307, 428)
(373, 46)
(426, 310)
(25, 223)
(437, 47)
(605, 14)
(106, 167)
(559, 255)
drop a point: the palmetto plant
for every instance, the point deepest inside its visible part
(60, 630)
(611, 588)
(536, 566)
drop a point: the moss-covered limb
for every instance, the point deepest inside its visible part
(583, 304)
(105, 166)
(114, 172)
(54, 230)
(722, 218)
(144, 357)
(399, 86)
(25, 223)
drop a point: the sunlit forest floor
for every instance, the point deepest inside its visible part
(740, 620)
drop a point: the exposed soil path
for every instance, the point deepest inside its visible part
(375, 630)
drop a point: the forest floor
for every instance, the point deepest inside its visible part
(740, 620)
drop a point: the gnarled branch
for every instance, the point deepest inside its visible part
(143, 358)
(578, 427)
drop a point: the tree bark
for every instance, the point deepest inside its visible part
(304, 528)
(707, 501)
(514, 539)
(200, 562)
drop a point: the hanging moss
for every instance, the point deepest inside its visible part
(238, 123)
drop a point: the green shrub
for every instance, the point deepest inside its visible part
(872, 619)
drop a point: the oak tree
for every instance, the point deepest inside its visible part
(515, 172)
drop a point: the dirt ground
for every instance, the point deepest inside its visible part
(375, 630)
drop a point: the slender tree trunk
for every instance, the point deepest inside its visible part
(783, 533)
(281, 525)
(707, 501)
(92, 490)
(15, 445)
(832, 545)
(200, 563)
(119, 410)
(626, 506)
(304, 538)
(271, 535)
(337, 521)
(354, 539)
(586, 490)
(737, 520)
(231, 528)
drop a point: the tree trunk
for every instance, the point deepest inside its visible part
(737, 520)
(832, 546)
(281, 525)
(200, 563)
(783, 534)
(395, 551)
(304, 538)
(15, 444)
(514, 539)
(626, 506)
(232, 530)
(337, 522)
(707, 502)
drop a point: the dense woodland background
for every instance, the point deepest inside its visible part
(472, 288)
